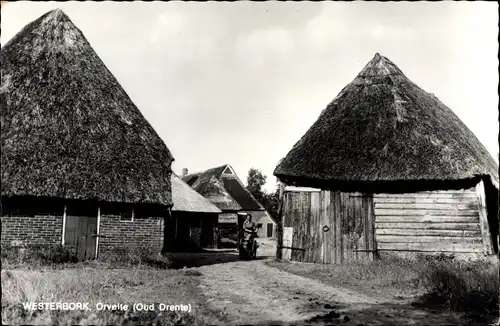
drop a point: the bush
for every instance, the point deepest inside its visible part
(37, 255)
(462, 285)
(58, 255)
(136, 256)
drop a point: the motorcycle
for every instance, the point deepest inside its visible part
(248, 245)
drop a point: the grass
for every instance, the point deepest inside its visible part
(127, 279)
(58, 257)
(470, 287)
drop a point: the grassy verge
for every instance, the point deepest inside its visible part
(135, 277)
(127, 286)
(454, 285)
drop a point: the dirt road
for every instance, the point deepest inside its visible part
(251, 292)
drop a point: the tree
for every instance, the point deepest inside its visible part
(255, 181)
(271, 203)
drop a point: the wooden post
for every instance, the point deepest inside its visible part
(483, 219)
(98, 230)
(63, 235)
(166, 225)
(279, 226)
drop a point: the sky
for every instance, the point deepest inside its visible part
(239, 83)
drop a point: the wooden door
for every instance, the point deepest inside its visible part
(357, 227)
(329, 227)
(80, 235)
(269, 230)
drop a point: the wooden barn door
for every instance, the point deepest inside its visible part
(347, 227)
(301, 241)
(81, 230)
(358, 227)
(328, 227)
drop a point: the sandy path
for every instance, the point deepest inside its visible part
(251, 292)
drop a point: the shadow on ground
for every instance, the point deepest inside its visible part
(188, 260)
(386, 314)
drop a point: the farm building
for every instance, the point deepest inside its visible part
(225, 190)
(81, 166)
(194, 218)
(266, 224)
(386, 168)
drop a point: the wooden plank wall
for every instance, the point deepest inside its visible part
(437, 221)
(347, 218)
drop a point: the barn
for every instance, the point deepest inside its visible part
(81, 166)
(194, 218)
(386, 168)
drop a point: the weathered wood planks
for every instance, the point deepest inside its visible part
(334, 227)
(427, 219)
(483, 219)
(438, 221)
(424, 200)
(329, 227)
(431, 194)
(416, 232)
(403, 211)
(428, 226)
(440, 246)
(458, 206)
(424, 238)
(287, 242)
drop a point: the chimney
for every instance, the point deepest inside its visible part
(184, 172)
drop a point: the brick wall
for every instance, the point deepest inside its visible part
(142, 231)
(32, 230)
(47, 230)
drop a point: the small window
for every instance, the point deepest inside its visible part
(127, 215)
(259, 225)
(227, 170)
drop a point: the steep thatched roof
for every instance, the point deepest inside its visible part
(226, 177)
(383, 128)
(213, 189)
(186, 199)
(69, 130)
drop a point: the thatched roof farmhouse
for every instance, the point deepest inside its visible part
(222, 186)
(70, 131)
(209, 185)
(394, 170)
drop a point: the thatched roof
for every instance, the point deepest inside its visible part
(213, 189)
(383, 128)
(186, 199)
(223, 186)
(69, 130)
